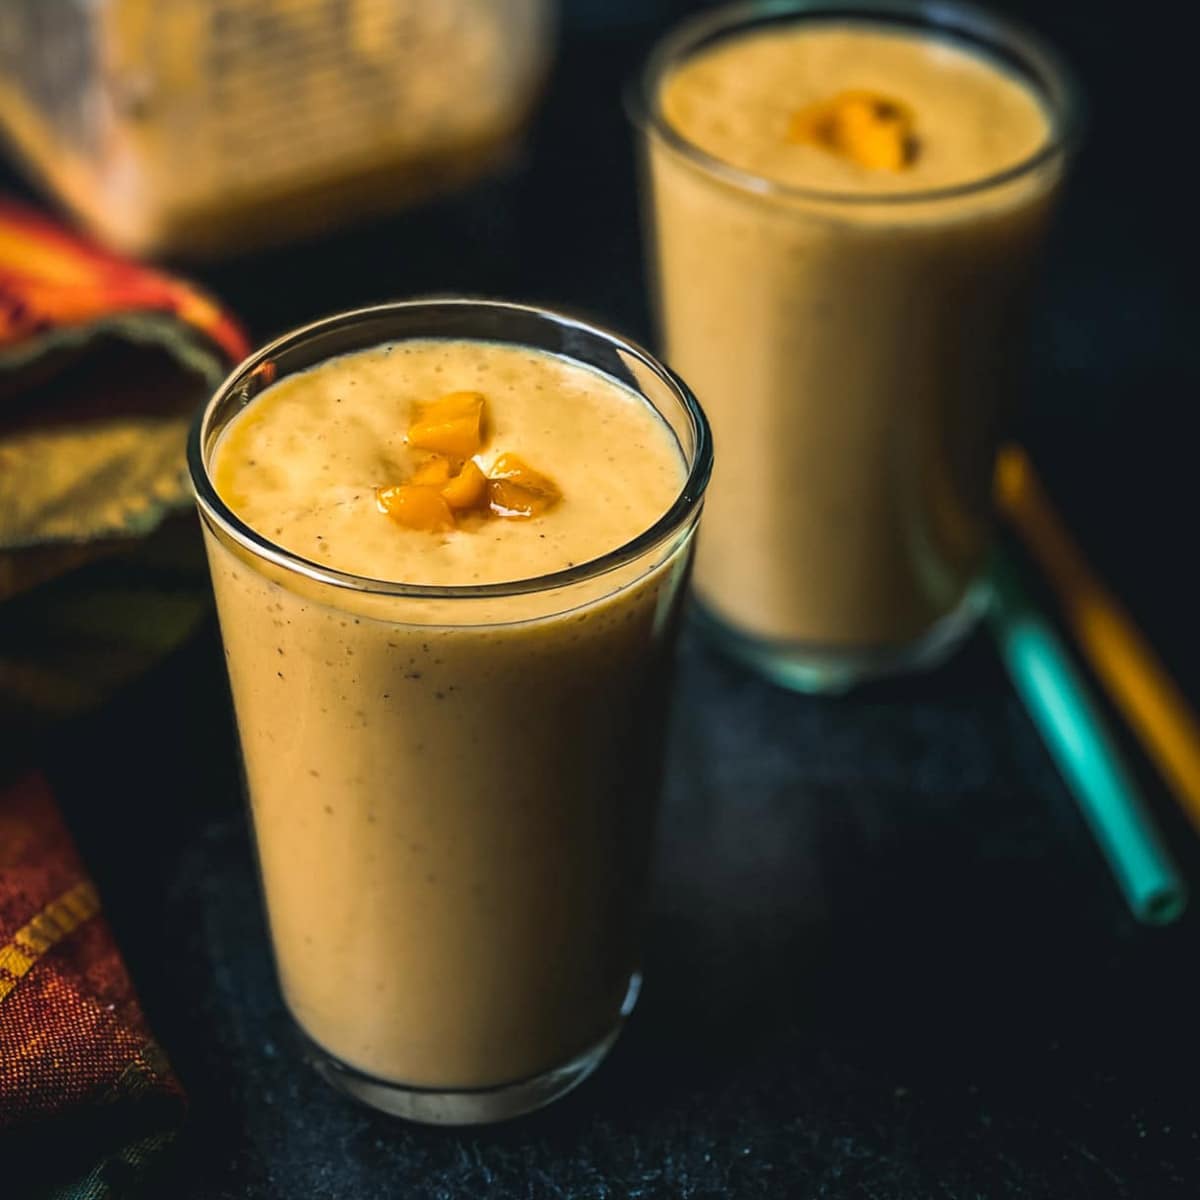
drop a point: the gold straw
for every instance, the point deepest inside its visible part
(1120, 656)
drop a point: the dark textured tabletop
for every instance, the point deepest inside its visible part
(885, 958)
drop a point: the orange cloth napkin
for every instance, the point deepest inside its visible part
(87, 1098)
(52, 279)
(102, 362)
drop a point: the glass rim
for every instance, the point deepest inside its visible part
(1061, 94)
(214, 509)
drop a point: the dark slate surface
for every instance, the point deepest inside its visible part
(886, 960)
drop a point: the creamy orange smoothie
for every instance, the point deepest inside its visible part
(452, 792)
(848, 304)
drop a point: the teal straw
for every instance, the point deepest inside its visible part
(1057, 699)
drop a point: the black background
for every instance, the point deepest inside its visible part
(886, 960)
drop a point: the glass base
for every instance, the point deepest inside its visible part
(830, 670)
(468, 1106)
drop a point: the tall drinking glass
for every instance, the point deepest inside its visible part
(854, 348)
(453, 788)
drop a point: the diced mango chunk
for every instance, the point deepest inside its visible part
(467, 489)
(433, 472)
(870, 129)
(451, 425)
(515, 489)
(439, 488)
(416, 506)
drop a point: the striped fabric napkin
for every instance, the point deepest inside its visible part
(102, 363)
(87, 1098)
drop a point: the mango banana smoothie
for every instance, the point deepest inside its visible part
(845, 215)
(452, 773)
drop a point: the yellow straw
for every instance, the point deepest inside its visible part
(1120, 656)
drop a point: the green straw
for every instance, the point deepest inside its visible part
(1056, 698)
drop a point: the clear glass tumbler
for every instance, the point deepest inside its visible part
(854, 352)
(461, 946)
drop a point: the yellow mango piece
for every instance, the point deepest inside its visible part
(432, 473)
(451, 425)
(870, 129)
(416, 506)
(468, 489)
(515, 489)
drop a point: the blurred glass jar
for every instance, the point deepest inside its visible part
(201, 126)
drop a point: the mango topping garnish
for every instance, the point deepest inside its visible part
(515, 489)
(870, 129)
(450, 483)
(416, 506)
(468, 489)
(452, 425)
